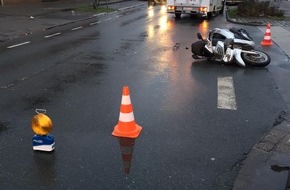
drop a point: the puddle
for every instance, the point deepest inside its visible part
(278, 168)
(126, 147)
(45, 164)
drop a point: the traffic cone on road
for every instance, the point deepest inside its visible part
(126, 126)
(267, 37)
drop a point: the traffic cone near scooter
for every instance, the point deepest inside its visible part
(126, 126)
(267, 37)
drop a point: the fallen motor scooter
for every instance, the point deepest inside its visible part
(229, 46)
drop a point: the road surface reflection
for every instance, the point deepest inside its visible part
(126, 147)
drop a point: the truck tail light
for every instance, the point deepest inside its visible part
(202, 9)
(170, 7)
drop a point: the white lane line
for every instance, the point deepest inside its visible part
(51, 35)
(226, 93)
(77, 28)
(93, 23)
(20, 44)
(107, 19)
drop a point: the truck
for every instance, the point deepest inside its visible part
(202, 8)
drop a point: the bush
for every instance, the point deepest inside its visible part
(254, 8)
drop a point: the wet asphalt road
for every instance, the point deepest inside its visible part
(78, 76)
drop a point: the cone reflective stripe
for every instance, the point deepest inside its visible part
(126, 117)
(126, 126)
(267, 37)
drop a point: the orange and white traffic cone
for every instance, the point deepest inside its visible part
(267, 37)
(126, 126)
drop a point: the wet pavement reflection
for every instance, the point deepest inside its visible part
(203, 28)
(156, 2)
(45, 163)
(126, 147)
(277, 168)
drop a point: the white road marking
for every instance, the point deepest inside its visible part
(51, 35)
(93, 23)
(107, 19)
(16, 45)
(77, 28)
(226, 93)
(122, 9)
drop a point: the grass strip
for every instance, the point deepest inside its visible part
(91, 9)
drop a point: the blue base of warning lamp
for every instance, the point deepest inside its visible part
(43, 142)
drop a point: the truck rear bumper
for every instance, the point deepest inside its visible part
(185, 10)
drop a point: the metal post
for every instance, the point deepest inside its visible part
(2, 2)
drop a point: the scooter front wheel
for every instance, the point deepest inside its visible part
(259, 59)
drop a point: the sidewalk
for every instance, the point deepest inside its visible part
(274, 148)
(267, 165)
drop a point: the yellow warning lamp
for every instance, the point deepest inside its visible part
(41, 123)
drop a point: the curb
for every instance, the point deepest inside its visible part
(256, 170)
(243, 23)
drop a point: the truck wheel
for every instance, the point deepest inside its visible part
(177, 15)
